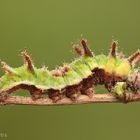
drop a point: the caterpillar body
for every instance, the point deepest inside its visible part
(114, 71)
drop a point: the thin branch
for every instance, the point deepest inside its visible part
(82, 99)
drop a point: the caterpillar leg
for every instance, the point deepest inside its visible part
(36, 93)
(87, 87)
(89, 92)
(55, 95)
(120, 91)
(72, 92)
(3, 97)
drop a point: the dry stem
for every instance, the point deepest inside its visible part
(82, 99)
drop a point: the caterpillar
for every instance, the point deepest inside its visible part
(116, 72)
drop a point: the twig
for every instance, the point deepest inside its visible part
(82, 99)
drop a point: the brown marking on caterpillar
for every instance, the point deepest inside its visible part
(111, 80)
(7, 69)
(28, 61)
(87, 51)
(60, 71)
(114, 49)
(98, 76)
(85, 87)
(101, 77)
(134, 58)
(34, 91)
(65, 69)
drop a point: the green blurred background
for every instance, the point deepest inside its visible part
(47, 28)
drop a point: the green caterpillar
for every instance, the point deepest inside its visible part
(115, 72)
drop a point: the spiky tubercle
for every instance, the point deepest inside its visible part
(28, 61)
(114, 49)
(134, 58)
(79, 77)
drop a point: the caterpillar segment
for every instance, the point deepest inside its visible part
(78, 77)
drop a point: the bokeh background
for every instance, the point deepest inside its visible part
(48, 28)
